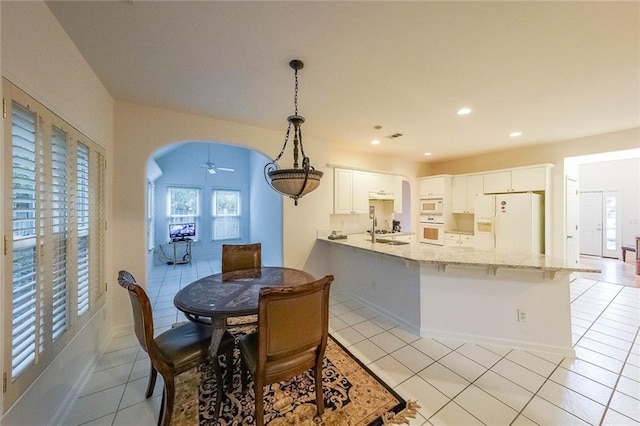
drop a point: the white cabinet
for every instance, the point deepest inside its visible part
(434, 185)
(351, 191)
(397, 194)
(516, 180)
(452, 239)
(464, 189)
(381, 182)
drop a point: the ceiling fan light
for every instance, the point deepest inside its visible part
(211, 171)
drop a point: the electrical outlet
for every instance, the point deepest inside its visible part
(522, 315)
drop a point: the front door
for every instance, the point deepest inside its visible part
(572, 248)
(591, 223)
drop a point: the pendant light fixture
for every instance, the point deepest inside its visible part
(297, 181)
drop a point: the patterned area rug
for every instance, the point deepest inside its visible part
(353, 395)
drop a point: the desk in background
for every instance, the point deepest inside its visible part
(178, 257)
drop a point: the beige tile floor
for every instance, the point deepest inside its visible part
(456, 383)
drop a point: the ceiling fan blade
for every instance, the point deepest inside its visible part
(226, 169)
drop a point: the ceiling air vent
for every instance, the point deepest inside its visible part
(394, 136)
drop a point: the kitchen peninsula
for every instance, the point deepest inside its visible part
(509, 298)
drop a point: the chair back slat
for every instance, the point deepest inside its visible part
(241, 256)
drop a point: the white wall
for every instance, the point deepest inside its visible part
(266, 212)
(622, 176)
(141, 129)
(38, 56)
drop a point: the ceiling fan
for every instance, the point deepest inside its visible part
(212, 168)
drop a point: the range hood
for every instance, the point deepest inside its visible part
(381, 195)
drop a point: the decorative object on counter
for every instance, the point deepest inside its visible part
(337, 235)
(297, 181)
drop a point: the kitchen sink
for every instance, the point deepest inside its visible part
(392, 242)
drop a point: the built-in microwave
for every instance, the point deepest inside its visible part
(431, 206)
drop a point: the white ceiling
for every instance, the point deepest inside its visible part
(552, 70)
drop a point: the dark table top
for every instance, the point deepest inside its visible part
(235, 293)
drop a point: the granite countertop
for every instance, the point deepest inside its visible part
(463, 256)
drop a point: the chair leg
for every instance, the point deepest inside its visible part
(258, 391)
(169, 394)
(153, 374)
(319, 394)
(162, 410)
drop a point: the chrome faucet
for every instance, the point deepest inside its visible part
(372, 216)
(373, 229)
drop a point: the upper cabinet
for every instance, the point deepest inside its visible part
(397, 194)
(434, 185)
(516, 180)
(382, 183)
(464, 188)
(351, 191)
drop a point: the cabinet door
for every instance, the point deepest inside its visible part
(431, 186)
(361, 187)
(459, 202)
(342, 191)
(397, 194)
(451, 240)
(382, 182)
(475, 186)
(466, 240)
(530, 179)
(497, 182)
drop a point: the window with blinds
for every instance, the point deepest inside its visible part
(60, 221)
(55, 270)
(25, 285)
(226, 215)
(183, 206)
(82, 210)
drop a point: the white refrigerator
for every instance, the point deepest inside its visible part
(509, 221)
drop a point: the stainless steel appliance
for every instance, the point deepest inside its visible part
(395, 227)
(431, 229)
(431, 206)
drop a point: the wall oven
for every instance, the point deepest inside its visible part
(431, 206)
(431, 230)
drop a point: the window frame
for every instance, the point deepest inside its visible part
(183, 218)
(229, 217)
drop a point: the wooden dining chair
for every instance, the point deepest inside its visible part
(241, 256)
(293, 324)
(174, 351)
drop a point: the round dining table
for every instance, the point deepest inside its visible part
(232, 294)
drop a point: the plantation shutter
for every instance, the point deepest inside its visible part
(82, 212)
(59, 213)
(25, 203)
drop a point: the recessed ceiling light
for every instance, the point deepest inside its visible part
(375, 142)
(464, 111)
(515, 134)
(427, 154)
